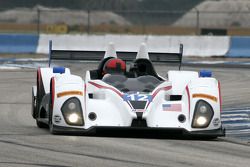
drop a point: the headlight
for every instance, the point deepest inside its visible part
(202, 115)
(73, 118)
(72, 106)
(72, 112)
(201, 120)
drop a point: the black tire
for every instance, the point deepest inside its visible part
(33, 104)
(51, 125)
(41, 124)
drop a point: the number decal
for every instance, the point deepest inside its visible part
(137, 97)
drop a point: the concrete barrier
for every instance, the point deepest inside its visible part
(203, 46)
(239, 47)
(18, 43)
(193, 45)
(89, 42)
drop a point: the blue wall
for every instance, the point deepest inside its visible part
(239, 47)
(18, 43)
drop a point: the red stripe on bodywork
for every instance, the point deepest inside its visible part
(40, 87)
(220, 95)
(121, 95)
(157, 91)
(38, 77)
(52, 92)
(148, 105)
(106, 87)
(188, 93)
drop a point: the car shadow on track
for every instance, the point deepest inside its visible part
(150, 134)
(143, 134)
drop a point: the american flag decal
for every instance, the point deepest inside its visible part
(171, 107)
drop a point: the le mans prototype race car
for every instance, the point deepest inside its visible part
(116, 97)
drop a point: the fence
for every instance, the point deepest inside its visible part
(65, 21)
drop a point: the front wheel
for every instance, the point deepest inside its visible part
(33, 103)
(41, 124)
(51, 129)
(51, 125)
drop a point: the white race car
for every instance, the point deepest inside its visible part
(114, 96)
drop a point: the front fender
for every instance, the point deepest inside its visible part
(206, 89)
(64, 87)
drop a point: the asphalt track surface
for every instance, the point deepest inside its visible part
(23, 144)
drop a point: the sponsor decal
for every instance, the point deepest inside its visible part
(171, 107)
(216, 122)
(57, 118)
(206, 96)
(68, 93)
(106, 87)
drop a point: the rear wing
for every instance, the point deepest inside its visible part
(126, 56)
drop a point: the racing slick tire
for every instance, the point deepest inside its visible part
(33, 104)
(51, 125)
(41, 124)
